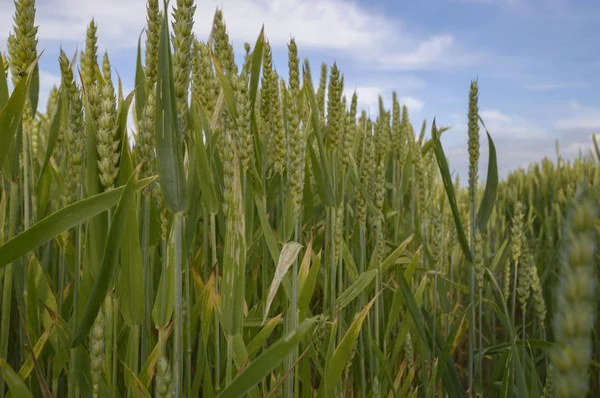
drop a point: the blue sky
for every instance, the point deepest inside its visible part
(537, 61)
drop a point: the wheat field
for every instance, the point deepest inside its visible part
(230, 230)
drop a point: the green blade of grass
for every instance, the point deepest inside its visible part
(270, 236)
(11, 114)
(62, 220)
(308, 287)
(261, 337)
(360, 285)
(206, 180)
(109, 259)
(491, 186)
(141, 86)
(137, 387)
(15, 383)
(336, 364)
(288, 255)
(168, 137)
(55, 125)
(131, 292)
(3, 85)
(260, 368)
(419, 323)
(227, 90)
(123, 111)
(449, 187)
(34, 87)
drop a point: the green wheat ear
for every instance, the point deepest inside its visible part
(334, 98)
(297, 141)
(107, 140)
(243, 133)
(575, 301)
(183, 22)
(74, 132)
(5, 66)
(538, 296)
(164, 378)
(97, 351)
(153, 18)
(222, 48)
(22, 44)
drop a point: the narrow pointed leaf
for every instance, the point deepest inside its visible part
(260, 368)
(27, 367)
(270, 236)
(206, 179)
(62, 220)
(491, 187)
(343, 352)
(34, 87)
(15, 384)
(3, 85)
(109, 260)
(55, 126)
(123, 112)
(308, 287)
(261, 337)
(168, 138)
(447, 180)
(359, 286)
(288, 255)
(137, 388)
(11, 114)
(227, 90)
(163, 310)
(141, 86)
(131, 291)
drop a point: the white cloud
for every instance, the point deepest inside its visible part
(502, 127)
(428, 52)
(119, 22)
(591, 121)
(511, 128)
(341, 27)
(367, 97)
(494, 116)
(413, 104)
(582, 118)
(47, 81)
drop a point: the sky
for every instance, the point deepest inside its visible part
(536, 61)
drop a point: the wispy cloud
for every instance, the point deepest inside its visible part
(119, 22)
(413, 104)
(341, 27)
(345, 28)
(582, 117)
(368, 99)
(511, 128)
(494, 116)
(367, 96)
(555, 86)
